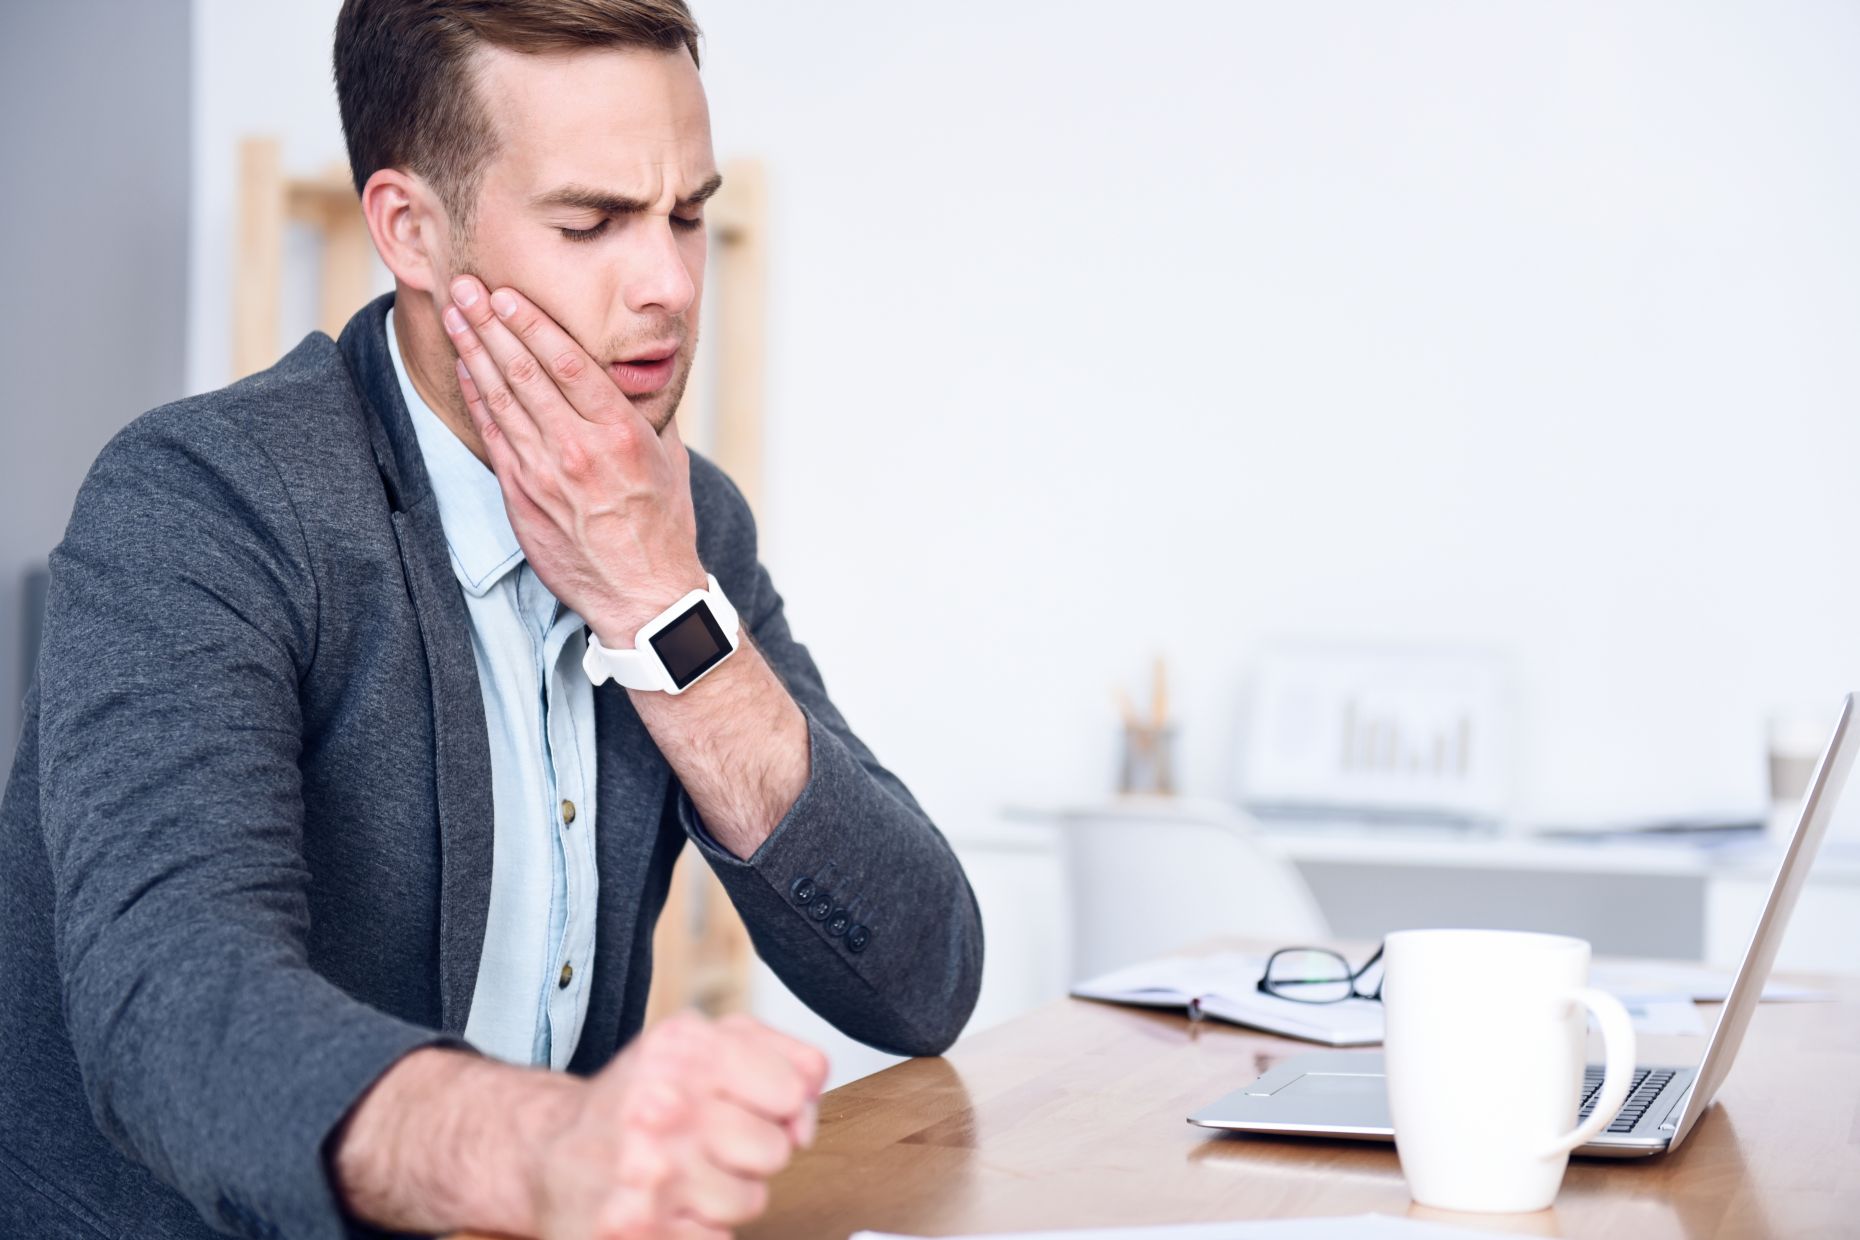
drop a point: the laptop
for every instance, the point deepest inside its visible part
(1343, 1093)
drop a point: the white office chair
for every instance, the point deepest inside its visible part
(1146, 877)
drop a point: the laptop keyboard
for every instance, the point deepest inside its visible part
(1646, 1087)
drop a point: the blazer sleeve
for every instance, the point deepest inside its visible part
(855, 900)
(181, 615)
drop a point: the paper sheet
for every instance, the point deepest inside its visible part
(1356, 1227)
(1678, 980)
(1664, 1017)
(1221, 973)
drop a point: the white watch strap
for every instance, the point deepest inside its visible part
(627, 668)
(640, 668)
(724, 610)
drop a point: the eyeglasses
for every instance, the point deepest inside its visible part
(1317, 975)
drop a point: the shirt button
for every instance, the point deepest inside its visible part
(568, 973)
(568, 813)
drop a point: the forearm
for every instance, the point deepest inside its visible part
(446, 1140)
(738, 744)
(883, 894)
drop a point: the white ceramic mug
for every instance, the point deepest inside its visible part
(1485, 1046)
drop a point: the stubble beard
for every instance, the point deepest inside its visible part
(673, 394)
(464, 261)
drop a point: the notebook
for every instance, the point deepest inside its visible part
(1228, 986)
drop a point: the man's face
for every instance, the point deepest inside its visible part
(575, 128)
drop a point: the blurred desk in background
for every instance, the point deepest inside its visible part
(1668, 898)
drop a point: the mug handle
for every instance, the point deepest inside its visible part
(1617, 1067)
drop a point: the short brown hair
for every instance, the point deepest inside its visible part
(404, 80)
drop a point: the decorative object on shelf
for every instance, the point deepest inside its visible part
(1148, 767)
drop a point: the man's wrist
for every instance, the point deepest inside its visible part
(448, 1140)
(740, 747)
(618, 624)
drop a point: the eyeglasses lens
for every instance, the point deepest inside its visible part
(1309, 976)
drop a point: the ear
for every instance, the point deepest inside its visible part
(410, 227)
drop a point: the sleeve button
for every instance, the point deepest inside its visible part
(802, 890)
(857, 938)
(822, 908)
(838, 923)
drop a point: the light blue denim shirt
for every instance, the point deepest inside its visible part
(532, 995)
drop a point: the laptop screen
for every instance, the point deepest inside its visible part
(1824, 791)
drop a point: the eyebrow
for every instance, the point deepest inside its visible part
(584, 198)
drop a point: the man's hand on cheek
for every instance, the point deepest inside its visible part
(600, 502)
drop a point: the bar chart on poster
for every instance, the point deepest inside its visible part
(1378, 731)
(1383, 742)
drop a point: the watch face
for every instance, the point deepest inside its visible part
(691, 645)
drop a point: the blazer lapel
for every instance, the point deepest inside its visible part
(461, 741)
(461, 760)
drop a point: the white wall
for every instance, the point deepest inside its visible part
(1529, 326)
(1101, 330)
(93, 241)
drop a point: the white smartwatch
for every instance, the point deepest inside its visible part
(676, 649)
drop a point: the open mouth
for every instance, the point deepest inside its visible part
(643, 376)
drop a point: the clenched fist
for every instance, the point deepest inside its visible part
(676, 1139)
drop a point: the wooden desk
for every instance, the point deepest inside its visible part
(1074, 1115)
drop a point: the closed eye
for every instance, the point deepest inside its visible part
(584, 234)
(686, 224)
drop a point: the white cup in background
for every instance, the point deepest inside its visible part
(1795, 741)
(1485, 1047)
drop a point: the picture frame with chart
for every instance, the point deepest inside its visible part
(1374, 732)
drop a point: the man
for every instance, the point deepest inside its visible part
(323, 847)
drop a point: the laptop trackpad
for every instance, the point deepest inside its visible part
(1336, 1085)
(1317, 1092)
(1318, 1101)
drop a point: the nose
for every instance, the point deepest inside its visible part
(657, 277)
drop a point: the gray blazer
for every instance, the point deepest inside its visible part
(245, 849)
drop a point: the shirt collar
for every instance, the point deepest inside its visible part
(471, 503)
